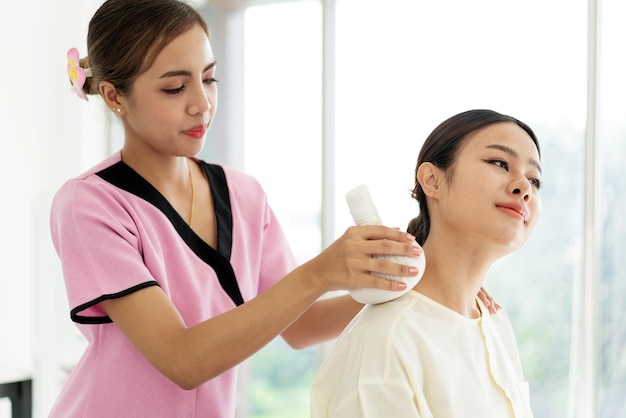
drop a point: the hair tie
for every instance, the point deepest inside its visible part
(77, 74)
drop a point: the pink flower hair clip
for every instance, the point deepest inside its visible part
(77, 74)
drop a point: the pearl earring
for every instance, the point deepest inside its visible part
(118, 109)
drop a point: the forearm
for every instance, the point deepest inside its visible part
(220, 343)
(190, 356)
(323, 321)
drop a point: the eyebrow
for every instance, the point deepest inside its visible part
(514, 154)
(178, 73)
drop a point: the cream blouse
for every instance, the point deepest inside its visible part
(413, 357)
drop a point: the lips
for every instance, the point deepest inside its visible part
(196, 131)
(515, 210)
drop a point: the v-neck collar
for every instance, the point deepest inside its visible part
(123, 176)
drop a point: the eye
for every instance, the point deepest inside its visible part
(499, 163)
(535, 182)
(210, 80)
(175, 91)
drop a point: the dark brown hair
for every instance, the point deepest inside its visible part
(125, 37)
(441, 149)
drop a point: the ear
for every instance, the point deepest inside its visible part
(111, 98)
(429, 177)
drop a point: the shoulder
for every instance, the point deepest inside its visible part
(85, 185)
(89, 198)
(501, 324)
(378, 330)
(371, 354)
(499, 321)
(238, 181)
(244, 192)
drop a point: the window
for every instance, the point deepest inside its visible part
(282, 106)
(282, 102)
(399, 68)
(611, 291)
(405, 67)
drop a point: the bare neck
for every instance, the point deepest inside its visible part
(455, 272)
(168, 174)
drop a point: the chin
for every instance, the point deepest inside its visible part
(196, 150)
(511, 244)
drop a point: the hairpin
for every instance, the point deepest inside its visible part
(76, 73)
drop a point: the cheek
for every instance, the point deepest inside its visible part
(458, 205)
(212, 96)
(537, 205)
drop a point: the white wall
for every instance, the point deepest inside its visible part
(45, 138)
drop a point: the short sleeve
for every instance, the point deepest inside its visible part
(94, 234)
(277, 259)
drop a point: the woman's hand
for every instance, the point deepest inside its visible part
(488, 301)
(348, 262)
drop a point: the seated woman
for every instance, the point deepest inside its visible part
(435, 351)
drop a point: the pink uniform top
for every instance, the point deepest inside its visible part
(116, 234)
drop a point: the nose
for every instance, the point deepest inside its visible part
(199, 102)
(522, 186)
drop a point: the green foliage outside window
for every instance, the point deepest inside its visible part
(280, 381)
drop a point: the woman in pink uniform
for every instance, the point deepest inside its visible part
(177, 270)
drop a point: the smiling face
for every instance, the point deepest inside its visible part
(172, 104)
(493, 190)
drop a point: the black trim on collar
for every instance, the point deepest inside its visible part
(124, 177)
(221, 207)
